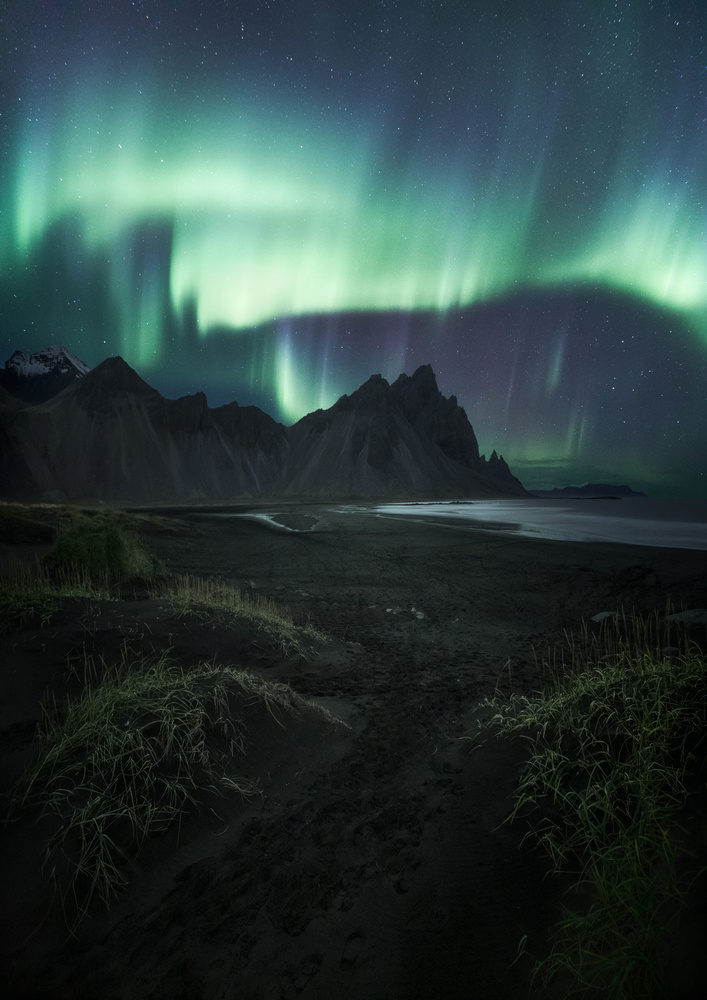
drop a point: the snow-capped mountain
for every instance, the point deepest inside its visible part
(35, 378)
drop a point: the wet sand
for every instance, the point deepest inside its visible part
(377, 864)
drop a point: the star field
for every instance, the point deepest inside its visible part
(271, 201)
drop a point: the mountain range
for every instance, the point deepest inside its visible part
(590, 491)
(70, 432)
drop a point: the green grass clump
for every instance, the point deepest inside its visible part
(30, 593)
(613, 739)
(195, 595)
(130, 756)
(105, 548)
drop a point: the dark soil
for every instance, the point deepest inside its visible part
(377, 864)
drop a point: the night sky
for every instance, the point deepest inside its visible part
(270, 202)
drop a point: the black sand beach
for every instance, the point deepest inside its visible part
(376, 864)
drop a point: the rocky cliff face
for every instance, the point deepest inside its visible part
(437, 417)
(109, 435)
(401, 440)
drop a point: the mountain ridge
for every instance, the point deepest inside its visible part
(109, 435)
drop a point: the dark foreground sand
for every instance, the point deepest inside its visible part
(376, 864)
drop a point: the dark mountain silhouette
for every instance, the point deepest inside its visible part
(404, 439)
(590, 491)
(109, 435)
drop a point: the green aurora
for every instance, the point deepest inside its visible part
(267, 227)
(245, 208)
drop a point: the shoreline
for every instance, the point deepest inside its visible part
(642, 522)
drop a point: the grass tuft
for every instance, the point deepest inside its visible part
(614, 739)
(131, 755)
(190, 595)
(31, 593)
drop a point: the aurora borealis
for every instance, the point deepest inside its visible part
(270, 202)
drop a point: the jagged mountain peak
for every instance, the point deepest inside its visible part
(117, 373)
(374, 389)
(108, 387)
(415, 392)
(424, 375)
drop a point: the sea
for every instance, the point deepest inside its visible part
(680, 524)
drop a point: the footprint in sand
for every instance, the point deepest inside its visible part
(353, 950)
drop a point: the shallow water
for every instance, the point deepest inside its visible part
(663, 523)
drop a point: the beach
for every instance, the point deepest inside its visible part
(376, 863)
